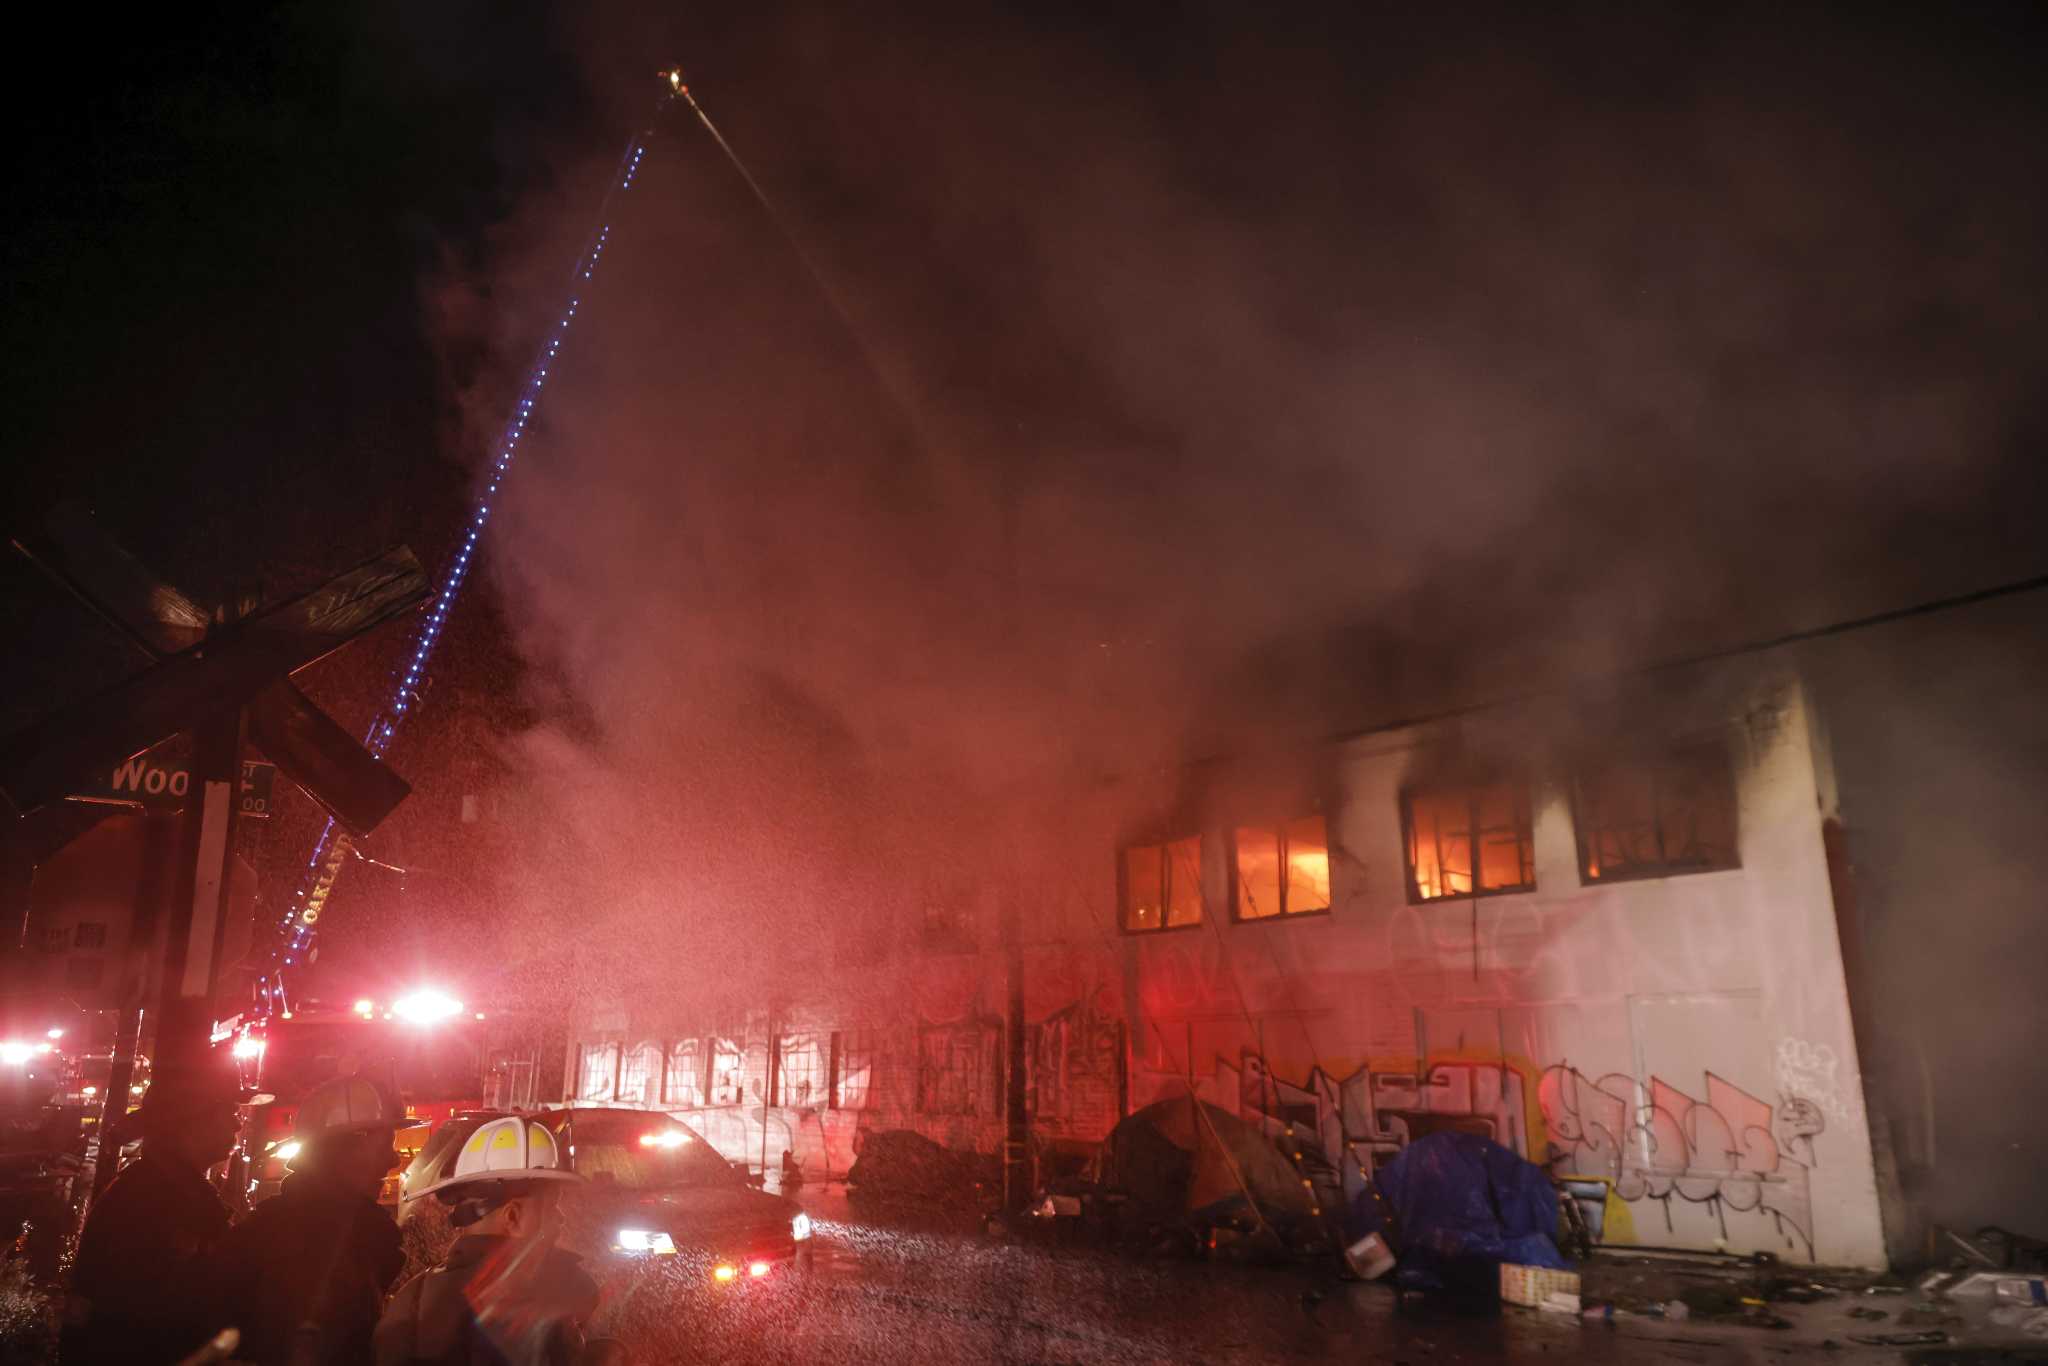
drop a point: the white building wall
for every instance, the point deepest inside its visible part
(1686, 1040)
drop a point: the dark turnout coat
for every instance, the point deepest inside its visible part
(495, 1302)
(139, 1288)
(305, 1275)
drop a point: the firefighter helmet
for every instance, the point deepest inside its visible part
(346, 1105)
(508, 1150)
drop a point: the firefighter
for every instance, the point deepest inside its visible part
(506, 1295)
(305, 1275)
(136, 1286)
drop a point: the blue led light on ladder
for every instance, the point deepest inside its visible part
(383, 728)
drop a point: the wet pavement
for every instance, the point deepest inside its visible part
(905, 1286)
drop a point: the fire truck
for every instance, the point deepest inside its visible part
(425, 1047)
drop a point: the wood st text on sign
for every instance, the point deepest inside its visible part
(161, 783)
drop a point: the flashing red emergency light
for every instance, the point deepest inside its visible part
(426, 1006)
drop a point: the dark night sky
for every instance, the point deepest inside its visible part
(1736, 310)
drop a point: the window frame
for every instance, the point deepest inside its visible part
(846, 1045)
(803, 1043)
(982, 1045)
(1651, 760)
(1279, 828)
(613, 1053)
(1408, 791)
(641, 1067)
(1123, 883)
(713, 1052)
(674, 1077)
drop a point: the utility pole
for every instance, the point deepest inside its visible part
(198, 909)
(1017, 1133)
(1017, 1129)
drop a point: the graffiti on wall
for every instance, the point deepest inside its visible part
(1375, 1112)
(1812, 1072)
(1724, 1151)
(1727, 1150)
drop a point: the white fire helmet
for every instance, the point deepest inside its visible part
(508, 1149)
(346, 1105)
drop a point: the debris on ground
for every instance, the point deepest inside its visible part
(2028, 1319)
(1795, 1291)
(1928, 1316)
(1868, 1315)
(1899, 1339)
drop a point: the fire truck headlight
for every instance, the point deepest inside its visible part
(15, 1054)
(426, 1006)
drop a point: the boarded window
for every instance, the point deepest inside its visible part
(728, 1072)
(1162, 885)
(1444, 827)
(684, 1086)
(955, 1069)
(1674, 813)
(640, 1075)
(799, 1071)
(853, 1069)
(600, 1070)
(1280, 870)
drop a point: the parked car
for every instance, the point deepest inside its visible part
(653, 1188)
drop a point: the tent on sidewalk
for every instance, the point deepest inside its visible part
(1453, 1207)
(1189, 1163)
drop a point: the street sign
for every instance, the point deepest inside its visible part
(329, 765)
(160, 781)
(42, 763)
(216, 679)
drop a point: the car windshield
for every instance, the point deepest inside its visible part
(650, 1152)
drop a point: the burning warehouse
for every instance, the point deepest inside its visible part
(1603, 932)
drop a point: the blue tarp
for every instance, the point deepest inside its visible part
(1461, 1205)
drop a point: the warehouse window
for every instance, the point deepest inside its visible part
(1280, 870)
(799, 1071)
(1162, 885)
(640, 1076)
(91, 934)
(728, 1072)
(684, 1085)
(1674, 813)
(853, 1068)
(954, 1068)
(1444, 825)
(600, 1070)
